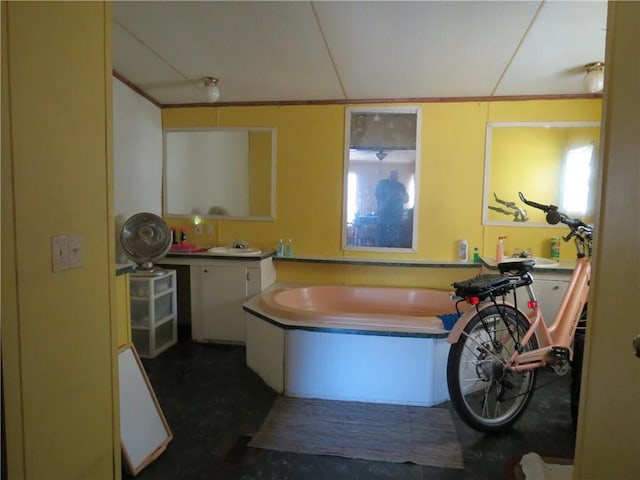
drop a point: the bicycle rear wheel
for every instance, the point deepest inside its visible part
(488, 397)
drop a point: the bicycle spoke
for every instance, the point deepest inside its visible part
(488, 395)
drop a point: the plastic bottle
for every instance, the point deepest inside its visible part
(476, 255)
(288, 249)
(500, 249)
(463, 251)
(555, 248)
(280, 248)
(183, 236)
(174, 240)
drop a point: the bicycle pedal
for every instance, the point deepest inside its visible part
(558, 354)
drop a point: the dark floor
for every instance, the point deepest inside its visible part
(212, 402)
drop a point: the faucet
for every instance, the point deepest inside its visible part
(240, 244)
(523, 254)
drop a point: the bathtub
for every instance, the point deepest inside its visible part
(369, 344)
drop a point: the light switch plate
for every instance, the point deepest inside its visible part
(75, 251)
(59, 253)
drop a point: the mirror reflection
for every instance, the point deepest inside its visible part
(381, 164)
(219, 173)
(555, 162)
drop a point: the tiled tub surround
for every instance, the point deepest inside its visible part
(370, 344)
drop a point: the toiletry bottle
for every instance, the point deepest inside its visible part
(288, 249)
(280, 248)
(183, 236)
(174, 240)
(476, 255)
(463, 251)
(555, 248)
(500, 249)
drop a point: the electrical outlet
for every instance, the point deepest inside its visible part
(59, 253)
(198, 228)
(75, 251)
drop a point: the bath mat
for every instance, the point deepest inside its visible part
(370, 431)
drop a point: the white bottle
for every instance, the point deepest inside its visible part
(463, 251)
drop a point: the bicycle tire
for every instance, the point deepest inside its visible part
(485, 395)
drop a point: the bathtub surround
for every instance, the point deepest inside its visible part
(424, 436)
(379, 345)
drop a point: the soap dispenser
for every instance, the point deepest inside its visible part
(500, 249)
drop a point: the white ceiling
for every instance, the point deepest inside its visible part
(298, 51)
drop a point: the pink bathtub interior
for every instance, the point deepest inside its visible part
(380, 308)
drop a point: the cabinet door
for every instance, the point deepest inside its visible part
(549, 294)
(217, 295)
(254, 283)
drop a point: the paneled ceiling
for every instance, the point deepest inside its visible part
(301, 51)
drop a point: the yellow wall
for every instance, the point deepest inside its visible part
(309, 185)
(260, 173)
(58, 329)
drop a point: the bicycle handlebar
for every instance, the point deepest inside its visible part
(554, 216)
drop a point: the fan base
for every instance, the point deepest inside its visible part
(152, 271)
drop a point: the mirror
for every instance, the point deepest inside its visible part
(381, 178)
(551, 163)
(219, 173)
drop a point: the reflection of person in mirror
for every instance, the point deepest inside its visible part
(391, 196)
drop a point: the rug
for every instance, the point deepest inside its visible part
(369, 431)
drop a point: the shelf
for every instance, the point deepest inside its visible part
(153, 313)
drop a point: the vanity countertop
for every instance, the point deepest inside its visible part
(122, 268)
(205, 254)
(562, 266)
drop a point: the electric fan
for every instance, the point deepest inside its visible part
(146, 239)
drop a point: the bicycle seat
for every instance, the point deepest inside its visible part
(519, 268)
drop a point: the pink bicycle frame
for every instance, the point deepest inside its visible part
(561, 331)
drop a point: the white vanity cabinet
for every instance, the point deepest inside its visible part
(549, 286)
(218, 288)
(549, 289)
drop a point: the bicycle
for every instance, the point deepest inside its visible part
(497, 348)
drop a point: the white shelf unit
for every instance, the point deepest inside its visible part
(154, 326)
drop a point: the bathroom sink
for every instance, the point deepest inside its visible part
(540, 261)
(235, 252)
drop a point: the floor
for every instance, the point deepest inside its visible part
(213, 402)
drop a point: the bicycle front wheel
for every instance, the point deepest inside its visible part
(486, 395)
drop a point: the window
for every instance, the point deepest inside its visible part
(577, 184)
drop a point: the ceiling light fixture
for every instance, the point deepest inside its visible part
(594, 77)
(211, 87)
